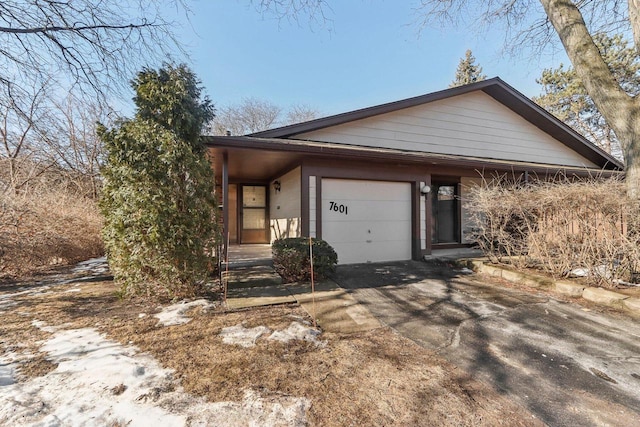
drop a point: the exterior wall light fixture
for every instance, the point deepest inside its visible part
(277, 186)
(426, 189)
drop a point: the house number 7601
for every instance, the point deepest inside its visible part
(333, 206)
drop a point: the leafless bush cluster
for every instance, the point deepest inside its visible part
(47, 224)
(564, 227)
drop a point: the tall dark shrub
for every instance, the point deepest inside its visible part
(158, 198)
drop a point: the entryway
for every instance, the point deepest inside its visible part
(248, 214)
(445, 211)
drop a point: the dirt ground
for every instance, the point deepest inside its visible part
(375, 378)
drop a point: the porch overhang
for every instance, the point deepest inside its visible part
(261, 159)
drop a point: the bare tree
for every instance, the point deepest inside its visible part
(91, 46)
(538, 22)
(250, 115)
(254, 115)
(45, 139)
(83, 52)
(316, 11)
(301, 113)
(72, 143)
(18, 135)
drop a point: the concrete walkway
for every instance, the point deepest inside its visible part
(255, 286)
(334, 308)
(248, 255)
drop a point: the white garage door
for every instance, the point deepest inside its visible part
(367, 221)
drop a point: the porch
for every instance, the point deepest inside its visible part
(249, 255)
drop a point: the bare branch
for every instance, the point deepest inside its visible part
(90, 46)
(254, 115)
(316, 11)
(79, 28)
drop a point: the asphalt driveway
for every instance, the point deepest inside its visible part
(569, 365)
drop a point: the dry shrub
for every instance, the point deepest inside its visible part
(39, 229)
(559, 226)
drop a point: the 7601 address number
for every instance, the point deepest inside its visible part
(337, 207)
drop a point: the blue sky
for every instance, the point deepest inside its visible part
(369, 53)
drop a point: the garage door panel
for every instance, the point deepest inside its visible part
(374, 231)
(368, 194)
(367, 221)
(368, 210)
(353, 253)
(366, 190)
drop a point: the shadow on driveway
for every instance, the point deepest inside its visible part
(568, 366)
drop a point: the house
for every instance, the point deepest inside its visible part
(389, 182)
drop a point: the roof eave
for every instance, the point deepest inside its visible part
(364, 153)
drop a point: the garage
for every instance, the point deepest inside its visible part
(367, 221)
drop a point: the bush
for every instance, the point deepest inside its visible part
(560, 226)
(291, 259)
(52, 227)
(158, 197)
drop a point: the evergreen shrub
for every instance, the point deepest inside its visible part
(291, 259)
(158, 199)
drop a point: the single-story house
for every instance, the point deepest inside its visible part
(389, 182)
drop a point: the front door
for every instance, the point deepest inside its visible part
(253, 214)
(445, 213)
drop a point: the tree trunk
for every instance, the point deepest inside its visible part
(634, 18)
(632, 157)
(619, 109)
(13, 176)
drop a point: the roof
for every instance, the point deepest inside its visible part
(496, 88)
(286, 149)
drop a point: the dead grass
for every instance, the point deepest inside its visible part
(375, 378)
(19, 336)
(44, 228)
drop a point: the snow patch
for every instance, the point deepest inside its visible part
(39, 324)
(101, 382)
(604, 271)
(175, 314)
(78, 391)
(6, 303)
(93, 267)
(6, 300)
(16, 294)
(579, 272)
(245, 337)
(8, 369)
(297, 331)
(624, 283)
(255, 410)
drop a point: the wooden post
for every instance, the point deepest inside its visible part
(226, 274)
(313, 290)
(225, 203)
